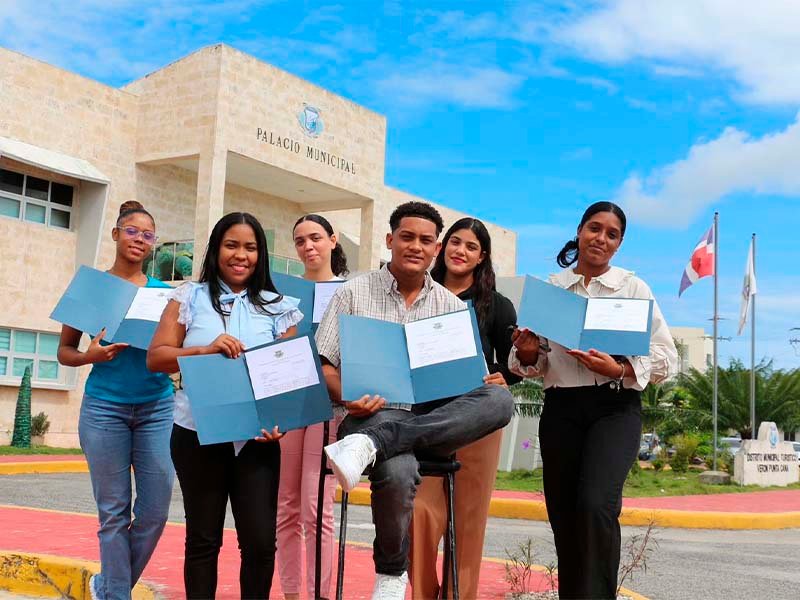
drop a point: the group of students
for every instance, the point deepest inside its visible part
(130, 417)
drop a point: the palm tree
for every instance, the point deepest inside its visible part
(777, 395)
(22, 418)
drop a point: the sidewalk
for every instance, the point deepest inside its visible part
(773, 509)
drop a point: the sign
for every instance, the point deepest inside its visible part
(310, 121)
(767, 460)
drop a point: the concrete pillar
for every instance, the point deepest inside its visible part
(210, 203)
(370, 239)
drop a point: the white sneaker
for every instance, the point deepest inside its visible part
(390, 587)
(349, 457)
(92, 589)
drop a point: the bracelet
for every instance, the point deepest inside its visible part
(621, 377)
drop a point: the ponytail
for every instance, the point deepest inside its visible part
(568, 254)
(339, 261)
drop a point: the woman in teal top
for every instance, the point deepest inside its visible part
(125, 421)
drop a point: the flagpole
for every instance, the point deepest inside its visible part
(753, 346)
(716, 336)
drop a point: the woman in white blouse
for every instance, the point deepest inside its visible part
(591, 422)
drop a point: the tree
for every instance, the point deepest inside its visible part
(529, 397)
(668, 409)
(777, 395)
(22, 417)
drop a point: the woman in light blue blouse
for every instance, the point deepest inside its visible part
(235, 306)
(125, 421)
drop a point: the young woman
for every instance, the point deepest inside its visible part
(591, 423)
(464, 266)
(125, 420)
(234, 306)
(324, 260)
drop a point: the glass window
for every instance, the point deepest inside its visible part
(48, 369)
(19, 366)
(11, 182)
(61, 194)
(5, 339)
(9, 207)
(296, 268)
(278, 264)
(270, 233)
(25, 341)
(48, 344)
(35, 213)
(3, 365)
(37, 188)
(59, 218)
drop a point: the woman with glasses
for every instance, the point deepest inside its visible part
(125, 421)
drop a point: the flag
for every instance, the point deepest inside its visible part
(702, 262)
(748, 287)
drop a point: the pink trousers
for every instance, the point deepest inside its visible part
(297, 510)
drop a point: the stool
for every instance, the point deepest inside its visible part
(445, 468)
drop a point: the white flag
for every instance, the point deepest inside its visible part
(748, 288)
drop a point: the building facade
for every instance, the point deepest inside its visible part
(215, 132)
(695, 348)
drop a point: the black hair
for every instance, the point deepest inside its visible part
(132, 207)
(569, 253)
(422, 210)
(261, 279)
(483, 276)
(338, 257)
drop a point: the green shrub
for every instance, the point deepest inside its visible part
(658, 464)
(685, 449)
(40, 425)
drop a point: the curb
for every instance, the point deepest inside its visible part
(36, 467)
(534, 510)
(54, 577)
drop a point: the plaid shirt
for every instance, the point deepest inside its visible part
(375, 295)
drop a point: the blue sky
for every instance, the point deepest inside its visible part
(525, 113)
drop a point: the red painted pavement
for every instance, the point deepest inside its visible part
(74, 535)
(19, 458)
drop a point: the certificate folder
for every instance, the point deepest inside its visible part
(582, 323)
(375, 360)
(96, 299)
(225, 408)
(306, 291)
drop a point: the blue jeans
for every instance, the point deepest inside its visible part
(433, 429)
(116, 437)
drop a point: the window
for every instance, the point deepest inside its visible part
(36, 200)
(20, 349)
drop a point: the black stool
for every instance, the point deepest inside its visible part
(445, 468)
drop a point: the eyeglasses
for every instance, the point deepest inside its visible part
(132, 233)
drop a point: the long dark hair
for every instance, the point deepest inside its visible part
(338, 257)
(483, 282)
(569, 253)
(258, 282)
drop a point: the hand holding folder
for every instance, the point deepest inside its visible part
(430, 359)
(617, 326)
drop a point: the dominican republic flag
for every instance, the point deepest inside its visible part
(702, 262)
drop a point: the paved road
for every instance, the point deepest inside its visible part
(688, 564)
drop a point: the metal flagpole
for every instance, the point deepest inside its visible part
(716, 321)
(753, 344)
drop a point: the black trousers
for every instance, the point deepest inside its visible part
(208, 475)
(589, 439)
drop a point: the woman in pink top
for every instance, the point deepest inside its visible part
(324, 260)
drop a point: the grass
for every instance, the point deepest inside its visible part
(648, 483)
(12, 451)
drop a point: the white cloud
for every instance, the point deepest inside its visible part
(734, 162)
(755, 43)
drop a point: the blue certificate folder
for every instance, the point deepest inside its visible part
(374, 360)
(559, 315)
(226, 410)
(303, 290)
(96, 299)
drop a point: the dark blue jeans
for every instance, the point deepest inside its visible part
(432, 429)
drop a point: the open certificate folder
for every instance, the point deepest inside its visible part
(613, 325)
(433, 358)
(314, 297)
(279, 383)
(96, 299)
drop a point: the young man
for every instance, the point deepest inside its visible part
(385, 434)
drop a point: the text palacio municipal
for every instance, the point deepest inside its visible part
(310, 152)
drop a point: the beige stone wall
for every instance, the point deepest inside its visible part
(168, 193)
(255, 94)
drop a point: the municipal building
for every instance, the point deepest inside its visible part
(215, 132)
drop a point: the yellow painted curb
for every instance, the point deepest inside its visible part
(54, 577)
(46, 466)
(534, 510)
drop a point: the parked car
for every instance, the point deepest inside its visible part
(796, 446)
(730, 443)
